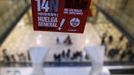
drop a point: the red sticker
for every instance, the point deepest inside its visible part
(60, 15)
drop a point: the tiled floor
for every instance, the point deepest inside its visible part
(103, 25)
(23, 37)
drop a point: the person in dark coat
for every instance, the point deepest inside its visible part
(57, 40)
(63, 54)
(68, 40)
(86, 57)
(121, 38)
(76, 55)
(57, 57)
(13, 59)
(110, 39)
(6, 57)
(103, 38)
(113, 52)
(127, 53)
(68, 53)
(28, 56)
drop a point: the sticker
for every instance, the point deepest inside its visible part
(74, 22)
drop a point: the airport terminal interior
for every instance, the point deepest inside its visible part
(110, 24)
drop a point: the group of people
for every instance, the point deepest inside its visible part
(69, 56)
(117, 51)
(72, 56)
(12, 58)
(67, 41)
(127, 54)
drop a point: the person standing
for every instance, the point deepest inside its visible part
(6, 58)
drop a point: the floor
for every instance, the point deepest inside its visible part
(105, 26)
(49, 71)
(24, 37)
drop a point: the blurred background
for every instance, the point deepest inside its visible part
(110, 24)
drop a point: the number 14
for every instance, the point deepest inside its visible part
(43, 5)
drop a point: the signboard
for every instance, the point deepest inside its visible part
(60, 15)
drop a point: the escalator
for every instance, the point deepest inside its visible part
(11, 12)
